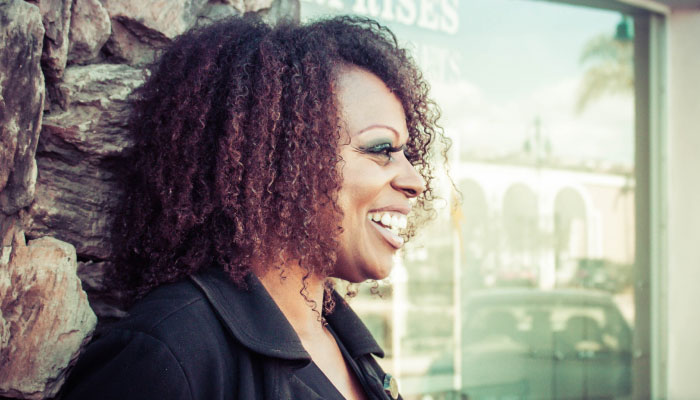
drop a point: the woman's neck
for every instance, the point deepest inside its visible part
(285, 287)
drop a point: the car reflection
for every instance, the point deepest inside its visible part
(533, 344)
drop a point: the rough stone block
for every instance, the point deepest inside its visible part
(278, 10)
(76, 192)
(212, 12)
(107, 303)
(89, 30)
(45, 317)
(155, 19)
(21, 102)
(56, 16)
(244, 6)
(125, 46)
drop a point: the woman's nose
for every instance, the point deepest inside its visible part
(408, 180)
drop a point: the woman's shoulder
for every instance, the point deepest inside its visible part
(158, 351)
(167, 305)
(176, 315)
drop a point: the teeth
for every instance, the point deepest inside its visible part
(395, 221)
(386, 219)
(392, 221)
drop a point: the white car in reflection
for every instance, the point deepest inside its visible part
(534, 344)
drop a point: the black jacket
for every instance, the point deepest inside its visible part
(206, 339)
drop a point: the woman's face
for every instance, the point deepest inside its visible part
(378, 180)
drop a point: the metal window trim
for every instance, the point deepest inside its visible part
(658, 212)
(624, 6)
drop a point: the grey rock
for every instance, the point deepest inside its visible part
(62, 184)
(76, 191)
(212, 12)
(21, 101)
(92, 275)
(244, 6)
(74, 202)
(257, 5)
(90, 29)
(93, 100)
(155, 19)
(56, 16)
(46, 313)
(272, 11)
(140, 29)
(104, 300)
(238, 5)
(134, 49)
(278, 10)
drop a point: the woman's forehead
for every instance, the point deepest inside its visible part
(366, 103)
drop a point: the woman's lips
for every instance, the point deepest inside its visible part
(393, 239)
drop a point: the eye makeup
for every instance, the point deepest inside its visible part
(381, 148)
(378, 141)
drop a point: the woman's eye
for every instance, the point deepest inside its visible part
(385, 150)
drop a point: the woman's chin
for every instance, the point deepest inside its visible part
(374, 274)
(377, 274)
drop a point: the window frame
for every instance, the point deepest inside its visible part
(650, 337)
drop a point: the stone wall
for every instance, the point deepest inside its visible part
(67, 68)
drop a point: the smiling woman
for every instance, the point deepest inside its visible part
(267, 160)
(378, 180)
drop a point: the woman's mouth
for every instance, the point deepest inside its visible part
(388, 224)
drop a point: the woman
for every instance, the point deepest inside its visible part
(267, 160)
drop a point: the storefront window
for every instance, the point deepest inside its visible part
(522, 288)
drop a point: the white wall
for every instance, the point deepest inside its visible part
(683, 376)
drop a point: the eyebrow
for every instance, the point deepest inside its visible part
(375, 126)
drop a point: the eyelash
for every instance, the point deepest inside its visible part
(384, 149)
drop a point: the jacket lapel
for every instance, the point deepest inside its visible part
(251, 315)
(351, 331)
(253, 318)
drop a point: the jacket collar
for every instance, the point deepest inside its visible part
(253, 318)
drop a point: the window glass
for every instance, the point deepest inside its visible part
(522, 286)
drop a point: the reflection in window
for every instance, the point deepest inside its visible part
(523, 290)
(561, 343)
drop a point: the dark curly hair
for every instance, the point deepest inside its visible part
(236, 157)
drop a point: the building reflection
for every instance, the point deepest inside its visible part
(521, 225)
